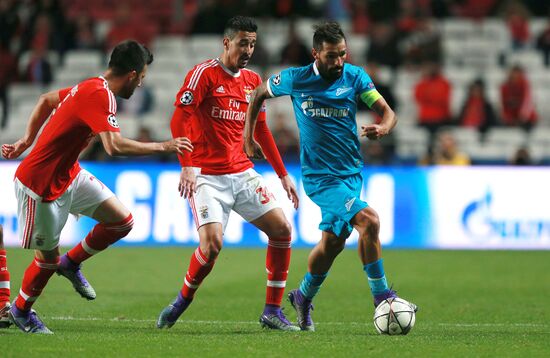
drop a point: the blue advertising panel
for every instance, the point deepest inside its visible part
(440, 207)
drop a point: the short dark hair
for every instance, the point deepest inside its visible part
(129, 56)
(239, 23)
(330, 32)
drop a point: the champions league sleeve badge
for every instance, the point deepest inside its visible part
(186, 98)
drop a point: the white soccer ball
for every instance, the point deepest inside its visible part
(394, 316)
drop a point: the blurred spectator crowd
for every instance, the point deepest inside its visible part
(459, 73)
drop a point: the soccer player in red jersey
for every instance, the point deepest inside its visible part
(4, 284)
(50, 184)
(218, 176)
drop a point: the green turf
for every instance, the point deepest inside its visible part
(487, 304)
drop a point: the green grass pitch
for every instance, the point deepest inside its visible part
(472, 304)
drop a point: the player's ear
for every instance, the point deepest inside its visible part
(132, 75)
(226, 43)
(314, 53)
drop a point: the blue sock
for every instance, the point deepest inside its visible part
(376, 276)
(311, 284)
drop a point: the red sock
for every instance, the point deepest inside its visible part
(36, 277)
(4, 278)
(199, 268)
(276, 264)
(99, 238)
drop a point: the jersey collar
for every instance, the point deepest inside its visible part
(227, 70)
(315, 69)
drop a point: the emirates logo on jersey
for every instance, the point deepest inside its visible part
(112, 121)
(186, 98)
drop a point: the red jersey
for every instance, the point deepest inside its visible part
(433, 96)
(85, 110)
(213, 101)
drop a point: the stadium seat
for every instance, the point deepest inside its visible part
(83, 59)
(506, 137)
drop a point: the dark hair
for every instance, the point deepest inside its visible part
(330, 32)
(239, 23)
(129, 56)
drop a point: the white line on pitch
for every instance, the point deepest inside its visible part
(133, 320)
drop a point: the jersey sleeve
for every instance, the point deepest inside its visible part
(63, 93)
(262, 114)
(194, 88)
(281, 84)
(366, 89)
(188, 99)
(99, 111)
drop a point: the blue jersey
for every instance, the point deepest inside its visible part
(325, 112)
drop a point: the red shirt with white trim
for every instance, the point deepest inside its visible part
(85, 110)
(211, 109)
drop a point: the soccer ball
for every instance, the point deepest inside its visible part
(394, 316)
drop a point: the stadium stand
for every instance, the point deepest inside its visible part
(471, 48)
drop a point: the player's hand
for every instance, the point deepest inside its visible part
(373, 131)
(12, 151)
(253, 149)
(291, 191)
(178, 145)
(188, 182)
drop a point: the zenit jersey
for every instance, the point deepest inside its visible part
(325, 112)
(85, 110)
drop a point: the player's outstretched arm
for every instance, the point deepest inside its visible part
(389, 120)
(44, 107)
(257, 98)
(115, 145)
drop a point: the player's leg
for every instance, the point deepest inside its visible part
(367, 223)
(257, 205)
(4, 284)
(275, 225)
(320, 261)
(338, 199)
(214, 200)
(35, 279)
(201, 264)
(92, 198)
(41, 224)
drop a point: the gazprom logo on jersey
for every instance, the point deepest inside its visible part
(309, 109)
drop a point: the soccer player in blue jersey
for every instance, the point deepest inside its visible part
(324, 95)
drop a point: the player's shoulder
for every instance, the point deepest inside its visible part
(252, 75)
(96, 89)
(354, 69)
(205, 67)
(201, 71)
(302, 73)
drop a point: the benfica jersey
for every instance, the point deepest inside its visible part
(214, 101)
(85, 110)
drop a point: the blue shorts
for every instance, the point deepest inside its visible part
(338, 198)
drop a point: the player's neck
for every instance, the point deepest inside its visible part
(114, 82)
(228, 65)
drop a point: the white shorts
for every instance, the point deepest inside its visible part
(245, 193)
(40, 223)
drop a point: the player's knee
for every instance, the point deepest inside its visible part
(334, 244)
(120, 229)
(283, 229)
(211, 249)
(369, 223)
